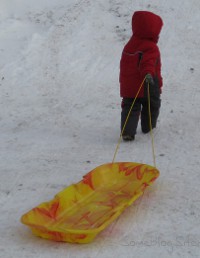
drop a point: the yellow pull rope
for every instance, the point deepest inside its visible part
(120, 138)
(151, 130)
(150, 124)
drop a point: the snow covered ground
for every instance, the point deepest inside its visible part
(60, 118)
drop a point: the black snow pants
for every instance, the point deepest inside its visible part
(140, 108)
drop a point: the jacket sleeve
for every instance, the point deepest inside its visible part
(150, 63)
(160, 79)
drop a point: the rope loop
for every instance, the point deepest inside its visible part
(150, 124)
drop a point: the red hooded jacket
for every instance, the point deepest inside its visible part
(141, 54)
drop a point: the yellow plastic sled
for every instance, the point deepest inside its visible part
(82, 210)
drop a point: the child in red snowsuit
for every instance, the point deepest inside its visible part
(141, 59)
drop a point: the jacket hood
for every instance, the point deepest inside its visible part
(146, 25)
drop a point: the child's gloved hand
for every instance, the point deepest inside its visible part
(149, 79)
(153, 87)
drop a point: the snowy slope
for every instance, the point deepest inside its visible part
(60, 118)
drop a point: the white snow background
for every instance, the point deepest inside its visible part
(60, 118)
